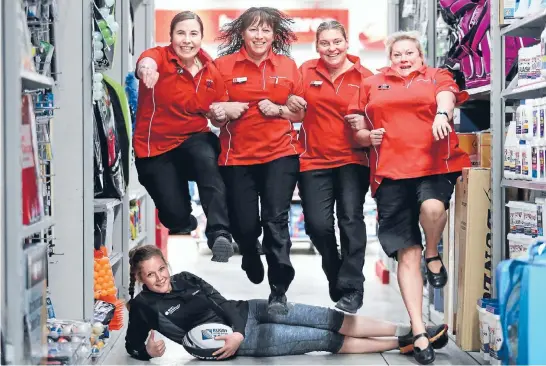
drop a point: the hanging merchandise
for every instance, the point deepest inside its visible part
(104, 34)
(33, 208)
(131, 89)
(114, 181)
(122, 118)
(98, 167)
(469, 57)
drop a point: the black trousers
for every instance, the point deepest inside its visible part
(166, 177)
(346, 187)
(268, 187)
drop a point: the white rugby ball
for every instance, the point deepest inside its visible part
(200, 342)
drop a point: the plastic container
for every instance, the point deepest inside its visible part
(522, 9)
(541, 218)
(510, 144)
(495, 333)
(525, 113)
(516, 217)
(524, 65)
(484, 326)
(530, 225)
(536, 169)
(525, 156)
(536, 6)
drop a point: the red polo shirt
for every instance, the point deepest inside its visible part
(327, 141)
(163, 121)
(406, 108)
(254, 138)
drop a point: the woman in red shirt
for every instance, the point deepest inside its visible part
(414, 163)
(333, 167)
(172, 145)
(259, 157)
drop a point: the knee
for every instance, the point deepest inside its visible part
(410, 257)
(433, 210)
(318, 227)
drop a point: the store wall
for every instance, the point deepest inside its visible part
(367, 19)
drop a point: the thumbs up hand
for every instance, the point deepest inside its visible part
(153, 347)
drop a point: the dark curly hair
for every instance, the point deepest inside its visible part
(231, 36)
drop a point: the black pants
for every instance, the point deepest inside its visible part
(166, 177)
(272, 184)
(346, 186)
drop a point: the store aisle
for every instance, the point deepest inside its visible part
(309, 287)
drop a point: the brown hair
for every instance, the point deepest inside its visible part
(231, 36)
(330, 24)
(138, 255)
(185, 15)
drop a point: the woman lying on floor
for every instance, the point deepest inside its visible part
(173, 305)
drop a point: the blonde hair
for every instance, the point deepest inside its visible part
(404, 36)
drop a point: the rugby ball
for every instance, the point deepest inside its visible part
(200, 341)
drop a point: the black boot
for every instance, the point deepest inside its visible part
(254, 268)
(185, 230)
(351, 301)
(277, 301)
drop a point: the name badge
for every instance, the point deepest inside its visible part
(240, 80)
(384, 87)
(179, 70)
(209, 83)
(316, 83)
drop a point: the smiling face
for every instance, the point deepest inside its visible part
(332, 47)
(405, 57)
(258, 39)
(154, 273)
(186, 39)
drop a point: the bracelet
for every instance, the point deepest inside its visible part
(280, 111)
(443, 113)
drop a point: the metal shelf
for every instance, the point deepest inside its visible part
(105, 204)
(481, 93)
(524, 184)
(139, 239)
(31, 80)
(35, 228)
(115, 258)
(530, 26)
(535, 90)
(137, 194)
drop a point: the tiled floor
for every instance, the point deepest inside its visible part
(309, 286)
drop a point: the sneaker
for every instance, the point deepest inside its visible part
(254, 268)
(222, 249)
(437, 336)
(277, 304)
(350, 302)
(187, 230)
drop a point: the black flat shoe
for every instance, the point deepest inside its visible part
(437, 336)
(436, 280)
(423, 356)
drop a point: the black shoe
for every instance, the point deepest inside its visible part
(254, 268)
(436, 280)
(424, 356)
(277, 304)
(222, 249)
(437, 336)
(187, 230)
(335, 293)
(350, 302)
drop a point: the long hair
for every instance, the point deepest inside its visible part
(136, 256)
(231, 36)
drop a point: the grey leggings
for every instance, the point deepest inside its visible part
(304, 329)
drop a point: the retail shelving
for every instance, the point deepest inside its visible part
(530, 26)
(524, 184)
(480, 93)
(535, 90)
(69, 229)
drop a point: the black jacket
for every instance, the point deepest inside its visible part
(191, 302)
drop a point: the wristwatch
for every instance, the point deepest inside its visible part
(280, 111)
(443, 113)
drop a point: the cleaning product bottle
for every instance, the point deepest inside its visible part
(519, 122)
(536, 169)
(511, 143)
(517, 159)
(525, 154)
(526, 113)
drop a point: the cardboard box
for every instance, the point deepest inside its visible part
(472, 240)
(478, 147)
(450, 292)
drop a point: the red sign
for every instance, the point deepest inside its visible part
(306, 22)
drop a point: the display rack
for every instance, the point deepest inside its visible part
(67, 227)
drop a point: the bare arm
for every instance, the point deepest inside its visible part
(446, 103)
(292, 116)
